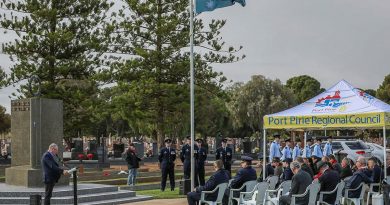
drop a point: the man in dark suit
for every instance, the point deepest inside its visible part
(304, 166)
(51, 171)
(357, 178)
(377, 173)
(220, 176)
(200, 163)
(185, 157)
(225, 154)
(329, 180)
(300, 181)
(246, 173)
(166, 160)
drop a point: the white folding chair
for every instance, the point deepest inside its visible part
(312, 190)
(339, 189)
(221, 191)
(255, 197)
(273, 181)
(272, 195)
(355, 201)
(249, 186)
(371, 191)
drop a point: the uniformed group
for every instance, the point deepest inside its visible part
(292, 153)
(167, 159)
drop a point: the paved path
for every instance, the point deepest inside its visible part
(161, 202)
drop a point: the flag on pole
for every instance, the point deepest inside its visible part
(211, 5)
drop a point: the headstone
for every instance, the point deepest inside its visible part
(77, 148)
(247, 147)
(139, 146)
(155, 149)
(92, 144)
(35, 124)
(118, 150)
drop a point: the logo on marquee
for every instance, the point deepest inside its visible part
(330, 104)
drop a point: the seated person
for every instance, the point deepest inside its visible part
(376, 171)
(246, 173)
(269, 170)
(335, 165)
(346, 170)
(220, 176)
(300, 181)
(287, 173)
(278, 166)
(358, 177)
(304, 166)
(329, 180)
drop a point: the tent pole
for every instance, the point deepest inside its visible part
(304, 147)
(384, 150)
(264, 151)
(325, 131)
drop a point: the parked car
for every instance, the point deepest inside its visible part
(350, 148)
(377, 151)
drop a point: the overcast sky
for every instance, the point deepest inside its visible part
(327, 39)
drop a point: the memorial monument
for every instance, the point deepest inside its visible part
(35, 124)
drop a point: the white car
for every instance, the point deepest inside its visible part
(377, 151)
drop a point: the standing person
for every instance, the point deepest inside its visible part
(51, 171)
(308, 148)
(246, 173)
(300, 181)
(225, 153)
(200, 162)
(220, 176)
(167, 159)
(275, 148)
(328, 147)
(132, 163)
(287, 152)
(185, 157)
(297, 150)
(317, 149)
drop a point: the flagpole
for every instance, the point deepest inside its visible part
(192, 92)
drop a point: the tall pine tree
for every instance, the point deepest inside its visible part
(62, 42)
(153, 85)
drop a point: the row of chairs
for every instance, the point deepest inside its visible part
(266, 193)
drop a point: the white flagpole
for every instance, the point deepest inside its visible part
(192, 92)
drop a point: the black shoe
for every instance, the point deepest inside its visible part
(162, 190)
(172, 189)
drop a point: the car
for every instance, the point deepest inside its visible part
(377, 151)
(350, 148)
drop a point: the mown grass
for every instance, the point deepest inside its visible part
(158, 194)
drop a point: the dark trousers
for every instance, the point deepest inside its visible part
(168, 169)
(228, 167)
(285, 200)
(200, 175)
(48, 192)
(193, 198)
(187, 168)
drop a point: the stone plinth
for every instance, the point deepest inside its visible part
(35, 124)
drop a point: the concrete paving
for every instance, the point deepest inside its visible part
(182, 201)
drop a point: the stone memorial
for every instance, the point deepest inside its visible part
(35, 124)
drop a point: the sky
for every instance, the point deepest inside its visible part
(329, 40)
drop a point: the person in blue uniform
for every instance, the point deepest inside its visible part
(308, 148)
(328, 147)
(225, 154)
(220, 176)
(246, 173)
(167, 159)
(317, 151)
(200, 163)
(274, 150)
(185, 157)
(287, 152)
(297, 150)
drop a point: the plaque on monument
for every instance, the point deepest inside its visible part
(35, 124)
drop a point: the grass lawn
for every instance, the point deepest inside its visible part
(158, 194)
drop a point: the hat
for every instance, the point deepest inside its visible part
(289, 160)
(246, 158)
(329, 137)
(168, 140)
(276, 159)
(200, 140)
(287, 140)
(319, 139)
(224, 140)
(188, 137)
(308, 140)
(276, 135)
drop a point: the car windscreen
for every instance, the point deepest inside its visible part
(356, 145)
(336, 146)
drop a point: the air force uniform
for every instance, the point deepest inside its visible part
(274, 151)
(200, 163)
(185, 157)
(296, 152)
(286, 153)
(317, 151)
(225, 154)
(167, 159)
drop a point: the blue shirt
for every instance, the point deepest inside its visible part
(317, 151)
(274, 151)
(308, 151)
(296, 152)
(286, 153)
(328, 149)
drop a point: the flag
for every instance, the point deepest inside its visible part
(211, 5)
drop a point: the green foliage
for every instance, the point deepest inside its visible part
(256, 98)
(371, 92)
(304, 87)
(5, 121)
(63, 43)
(3, 78)
(152, 91)
(383, 92)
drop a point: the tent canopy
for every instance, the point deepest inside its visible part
(341, 106)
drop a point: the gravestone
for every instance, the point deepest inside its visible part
(139, 146)
(92, 144)
(77, 148)
(35, 124)
(118, 150)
